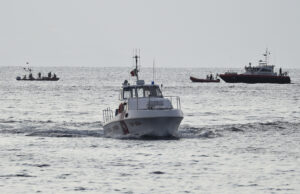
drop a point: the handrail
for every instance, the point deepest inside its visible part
(177, 98)
(107, 115)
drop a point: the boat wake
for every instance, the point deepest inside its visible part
(216, 131)
(95, 129)
(51, 129)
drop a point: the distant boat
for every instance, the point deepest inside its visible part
(39, 78)
(263, 73)
(193, 79)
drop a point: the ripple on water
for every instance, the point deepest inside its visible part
(157, 172)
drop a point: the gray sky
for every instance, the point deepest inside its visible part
(186, 33)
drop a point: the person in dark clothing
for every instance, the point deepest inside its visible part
(54, 76)
(49, 74)
(280, 71)
(39, 75)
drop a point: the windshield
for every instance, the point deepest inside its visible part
(142, 91)
(148, 91)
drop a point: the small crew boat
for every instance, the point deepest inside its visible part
(208, 79)
(143, 111)
(50, 77)
(263, 73)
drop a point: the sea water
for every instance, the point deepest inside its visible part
(234, 138)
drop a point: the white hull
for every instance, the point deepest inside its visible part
(157, 125)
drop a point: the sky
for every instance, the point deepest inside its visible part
(176, 33)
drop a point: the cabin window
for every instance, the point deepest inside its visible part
(152, 92)
(127, 93)
(148, 92)
(140, 92)
(158, 92)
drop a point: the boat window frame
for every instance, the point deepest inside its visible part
(140, 92)
(155, 89)
(137, 93)
(127, 89)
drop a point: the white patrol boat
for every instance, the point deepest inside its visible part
(143, 111)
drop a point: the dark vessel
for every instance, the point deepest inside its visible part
(263, 73)
(37, 79)
(30, 77)
(193, 79)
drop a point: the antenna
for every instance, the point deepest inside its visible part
(267, 53)
(153, 70)
(139, 64)
(136, 57)
(266, 56)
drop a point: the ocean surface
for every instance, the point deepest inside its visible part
(234, 138)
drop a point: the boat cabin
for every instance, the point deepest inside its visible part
(260, 69)
(140, 91)
(144, 97)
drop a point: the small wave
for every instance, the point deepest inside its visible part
(35, 122)
(236, 129)
(37, 165)
(186, 131)
(80, 189)
(51, 128)
(67, 133)
(157, 172)
(17, 175)
(215, 131)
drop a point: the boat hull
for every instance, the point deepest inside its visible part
(193, 79)
(138, 127)
(243, 78)
(48, 79)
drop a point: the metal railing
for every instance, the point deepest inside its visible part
(175, 99)
(108, 114)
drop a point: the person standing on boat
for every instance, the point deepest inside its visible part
(39, 75)
(49, 74)
(280, 71)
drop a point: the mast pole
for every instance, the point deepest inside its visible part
(153, 69)
(136, 57)
(139, 63)
(267, 53)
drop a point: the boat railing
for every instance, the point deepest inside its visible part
(151, 104)
(285, 73)
(108, 115)
(176, 100)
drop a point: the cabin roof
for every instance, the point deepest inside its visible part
(141, 86)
